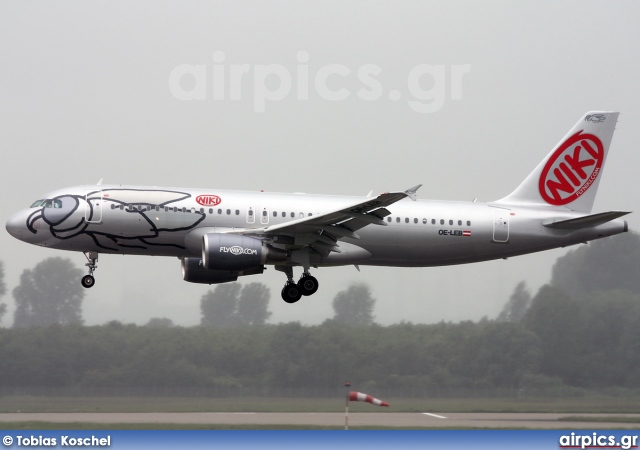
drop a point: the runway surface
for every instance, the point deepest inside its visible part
(386, 420)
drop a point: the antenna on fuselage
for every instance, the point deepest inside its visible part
(99, 183)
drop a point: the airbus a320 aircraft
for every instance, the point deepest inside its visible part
(222, 235)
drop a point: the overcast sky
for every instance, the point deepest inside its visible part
(463, 97)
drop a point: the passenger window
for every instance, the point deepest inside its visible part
(424, 221)
(309, 215)
(219, 210)
(415, 220)
(210, 210)
(398, 219)
(388, 219)
(237, 212)
(441, 221)
(459, 222)
(293, 214)
(264, 213)
(301, 215)
(433, 221)
(157, 208)
(251, 213)
(113, 206)
(406, 220)
(201, 210)
(468, 223)
(450, 222)
(228, 212)
(275, 214)
(175, 209)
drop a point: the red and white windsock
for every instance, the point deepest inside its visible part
(360, 397)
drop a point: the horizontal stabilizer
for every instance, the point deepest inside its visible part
(589, 221)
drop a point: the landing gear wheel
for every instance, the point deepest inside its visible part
(291, 293)
(88, 281)
(92, 264)
(308, 285)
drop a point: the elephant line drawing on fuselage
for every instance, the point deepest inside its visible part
(69, 216)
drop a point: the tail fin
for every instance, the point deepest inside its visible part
(570, 174)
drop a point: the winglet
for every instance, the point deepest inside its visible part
(411, 192)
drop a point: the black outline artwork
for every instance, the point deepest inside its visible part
(56, 217)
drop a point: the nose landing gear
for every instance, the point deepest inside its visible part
(88, 280)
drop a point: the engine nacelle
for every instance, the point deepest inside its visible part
(232, 252)
(194, 271)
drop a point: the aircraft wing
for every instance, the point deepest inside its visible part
(324, 230)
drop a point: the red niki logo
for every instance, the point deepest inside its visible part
(572, 169)
(208, 200)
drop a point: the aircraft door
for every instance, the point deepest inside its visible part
(500, 225)
(93, 207)
(251, 215)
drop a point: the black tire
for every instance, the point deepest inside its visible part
(291, 293)
(308, 285)
(88, 281)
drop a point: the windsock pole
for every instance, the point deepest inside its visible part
(346, 413)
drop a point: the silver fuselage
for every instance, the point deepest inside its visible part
(155, 221)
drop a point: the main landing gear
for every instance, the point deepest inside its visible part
(88, 280)
(292, 291)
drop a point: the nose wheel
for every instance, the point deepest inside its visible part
(92, 264)
(88, 281)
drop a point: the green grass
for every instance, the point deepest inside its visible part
(597, 405)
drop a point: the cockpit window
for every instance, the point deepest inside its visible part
(48, 204)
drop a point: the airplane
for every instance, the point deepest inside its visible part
(220, 235)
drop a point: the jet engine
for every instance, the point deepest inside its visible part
(193, 271)
(230, 252)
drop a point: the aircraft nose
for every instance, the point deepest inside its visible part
(16, 226)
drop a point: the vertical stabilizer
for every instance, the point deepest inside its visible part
(570, 174)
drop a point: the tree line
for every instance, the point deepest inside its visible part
(560, 341)
(571, 333)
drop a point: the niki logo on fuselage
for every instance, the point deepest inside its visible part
(208, 200)
(572, 169)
